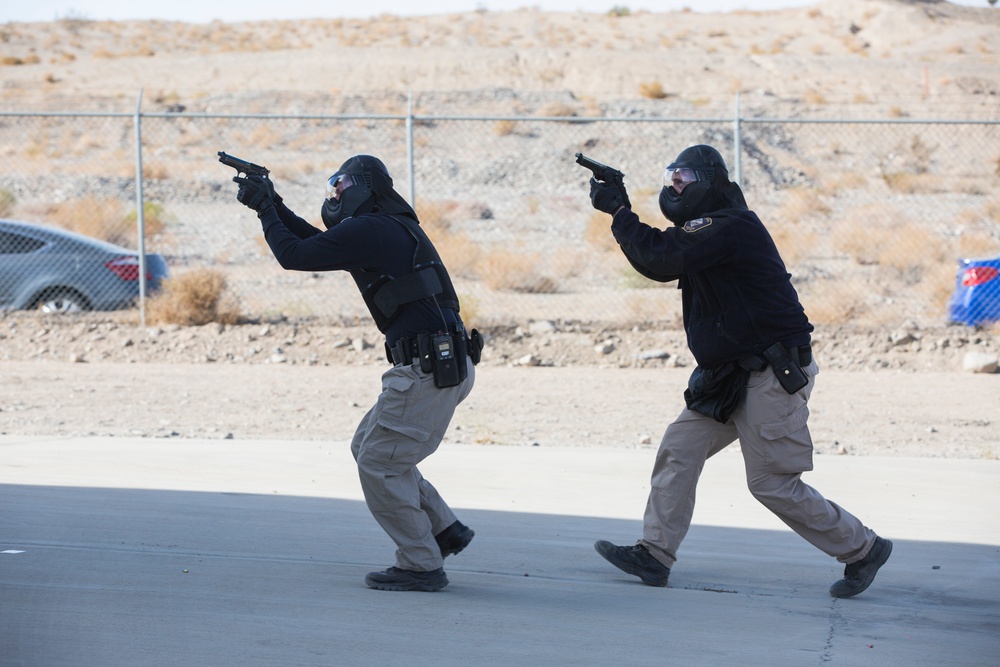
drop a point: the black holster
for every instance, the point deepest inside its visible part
(786, 364)
(785, 368)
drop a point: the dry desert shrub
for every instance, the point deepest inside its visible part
(105, 219)
(458, 252)
(503, 128)
(862, 230)
(265, 136)
(7, 202)
(834, 184)
(794, 241)
(154, 218)
(909, 183)
(830, 302)
(656, 306)
(801, 203)
(193, 298)
(155, 172)
(557, 110)
(598, 232)
(436, 216)
(991, 209)
(471, 310)
(976, 244)
(652, 90)
(15, 60)
(513, 271)
(935, 286)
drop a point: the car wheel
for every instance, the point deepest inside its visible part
(62, 302)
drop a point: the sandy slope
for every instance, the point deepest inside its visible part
(927, 56)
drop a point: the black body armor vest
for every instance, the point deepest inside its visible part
(385, 294)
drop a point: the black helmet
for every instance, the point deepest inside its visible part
(704, 160)
(709, 190)
(350, 188)
(361, 185)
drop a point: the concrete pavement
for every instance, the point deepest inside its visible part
(119, 551)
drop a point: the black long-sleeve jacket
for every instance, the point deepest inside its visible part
(370, 243)
(737, 296)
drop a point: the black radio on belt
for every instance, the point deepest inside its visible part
(446, 372)
(438, 356)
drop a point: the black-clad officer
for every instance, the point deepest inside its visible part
(755, 371)
(374, 234)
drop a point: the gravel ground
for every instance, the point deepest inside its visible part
(894, 393)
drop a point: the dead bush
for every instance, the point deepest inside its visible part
(862, 231)
(7, 201)
(828, 302)
(505, 127)
(508, 270)
(598, 232)
(458, 252)
(106, 219)
(194, 298)
(652, 90)
(800, 203)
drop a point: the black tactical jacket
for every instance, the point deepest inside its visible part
(737, 295)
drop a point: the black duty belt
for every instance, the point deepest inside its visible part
(756, 362)
(404, 351)
(407, 349)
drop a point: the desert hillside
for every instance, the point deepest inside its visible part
(860, 57)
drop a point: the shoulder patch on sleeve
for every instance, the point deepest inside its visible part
(696, 224)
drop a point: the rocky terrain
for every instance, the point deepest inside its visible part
(903, 388)
(93, 338)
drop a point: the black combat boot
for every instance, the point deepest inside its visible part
(454, 538)
(635, 560)
(398, 579)
(859, 575)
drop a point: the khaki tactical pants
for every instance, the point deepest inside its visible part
(777, 449)
(404, 427)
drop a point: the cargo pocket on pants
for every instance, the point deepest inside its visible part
(788, 445)
(400, 397)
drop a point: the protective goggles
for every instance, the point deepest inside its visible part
(337, 184)
(684, 174)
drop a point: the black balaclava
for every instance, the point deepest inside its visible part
(712, 191)
(371, 192)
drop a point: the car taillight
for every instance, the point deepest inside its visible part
(126, 268)
(978, 275)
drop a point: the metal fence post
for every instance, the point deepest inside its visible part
(737, 145)
(409, 148)
(140, 211)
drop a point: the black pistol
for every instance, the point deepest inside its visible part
(602, 172)
(242, 166)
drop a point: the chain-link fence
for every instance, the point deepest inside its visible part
(870, 216)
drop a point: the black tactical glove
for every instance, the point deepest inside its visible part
(254, 193)
(605, 197)
(619, 182)
(275, 197)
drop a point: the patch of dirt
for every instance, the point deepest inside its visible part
(887, 393)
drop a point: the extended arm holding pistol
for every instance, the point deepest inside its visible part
(242, 166)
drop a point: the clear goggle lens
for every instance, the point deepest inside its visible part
(337, 184)
(684, 175)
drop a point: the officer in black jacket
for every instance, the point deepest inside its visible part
(755, 371)
(374, 234)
